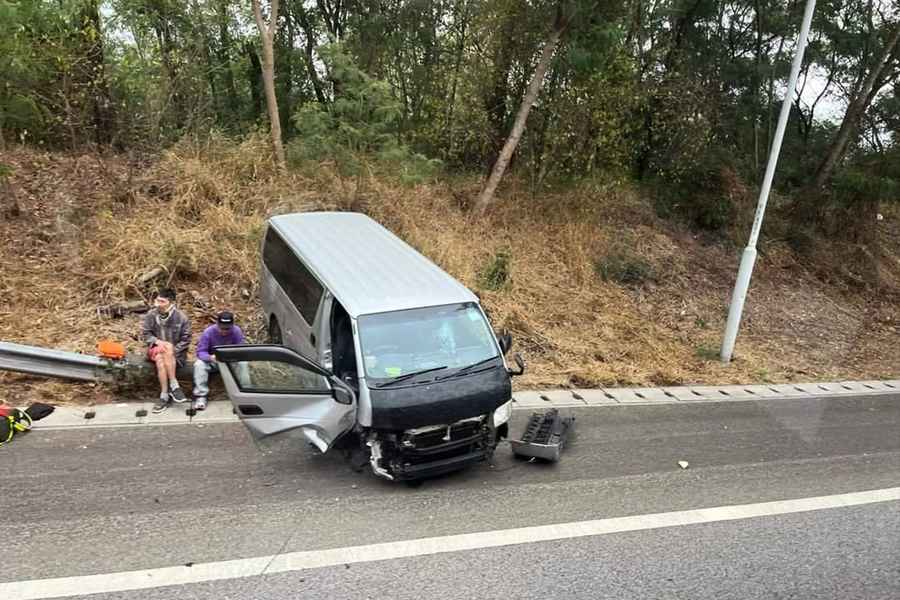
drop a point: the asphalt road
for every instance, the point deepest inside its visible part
(108, 500)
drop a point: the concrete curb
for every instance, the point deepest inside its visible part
(139, 414)
(133, 414)
(532, 400)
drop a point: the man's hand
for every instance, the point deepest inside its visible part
(212, 358)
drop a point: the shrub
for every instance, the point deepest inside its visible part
(625, 268)
(703, 192)
(707, 353)
(495, 275)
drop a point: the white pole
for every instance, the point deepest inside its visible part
(749, 256)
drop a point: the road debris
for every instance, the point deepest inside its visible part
(545, 436)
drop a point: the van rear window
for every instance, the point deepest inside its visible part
(298, 283)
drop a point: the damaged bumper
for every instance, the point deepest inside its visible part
(430, 451)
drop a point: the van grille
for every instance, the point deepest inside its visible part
(436, 437)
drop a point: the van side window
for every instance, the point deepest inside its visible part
(298, 283)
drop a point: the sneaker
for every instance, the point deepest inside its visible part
(199, 403)
(177, 395)
(161, 405)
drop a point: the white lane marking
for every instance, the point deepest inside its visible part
(314, 559)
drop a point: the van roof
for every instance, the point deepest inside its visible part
(366, 267)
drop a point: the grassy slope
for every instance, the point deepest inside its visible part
(89, 227)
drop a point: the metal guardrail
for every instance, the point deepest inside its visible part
(34, 360)
(53, 363)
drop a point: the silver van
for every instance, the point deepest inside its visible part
(373, 349)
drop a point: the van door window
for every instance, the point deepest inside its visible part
(273, 377)
(298, 283)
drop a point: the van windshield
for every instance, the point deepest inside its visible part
(438, 337)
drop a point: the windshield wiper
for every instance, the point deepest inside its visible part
(468, 368)
(406, 376)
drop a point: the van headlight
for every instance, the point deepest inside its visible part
(502, 414)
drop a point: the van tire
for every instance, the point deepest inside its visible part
(275, 332)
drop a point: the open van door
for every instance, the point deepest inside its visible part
(276, 390)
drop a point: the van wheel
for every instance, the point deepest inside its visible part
(274, 332)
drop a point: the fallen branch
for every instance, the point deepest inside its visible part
(151, 275)
(116, 311)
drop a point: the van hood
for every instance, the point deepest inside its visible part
(440, 402)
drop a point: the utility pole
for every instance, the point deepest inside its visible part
(748, 259)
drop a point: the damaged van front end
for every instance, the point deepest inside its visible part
(440, 426)
(430, 451)
(437, 389)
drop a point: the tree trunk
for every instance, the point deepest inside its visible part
(102, 104)
(534, 88)
(284, 42)
(457, 63)
(224, 59)
(164, 38)
(495, 102)
(309, 46)
(254, 78)
(205, 44)
(854, 114)
(267, 34)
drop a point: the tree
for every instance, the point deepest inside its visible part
(874, 81)
(534, 88)
(267, 35)
(309, 45)
(95, 71)
(359, 128)
(223, 56)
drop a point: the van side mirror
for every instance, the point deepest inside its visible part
(342, 396)
(505, 341)
(520, 362)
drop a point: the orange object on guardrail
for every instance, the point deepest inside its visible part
(111, 349)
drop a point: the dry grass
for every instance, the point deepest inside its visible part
(90, 228)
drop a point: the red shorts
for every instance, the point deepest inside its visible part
(152, 352)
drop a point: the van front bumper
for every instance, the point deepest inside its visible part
(438, 467)
(435, 450)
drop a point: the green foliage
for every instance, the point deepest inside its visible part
(763, 375)
(624, 267)
(685, 95)
(591, 130)
(702, 192)
(495, 274)
(853, 185)
(707, 353)
(361, 128)
(29, 50)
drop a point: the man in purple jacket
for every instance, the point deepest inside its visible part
(223, 333)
